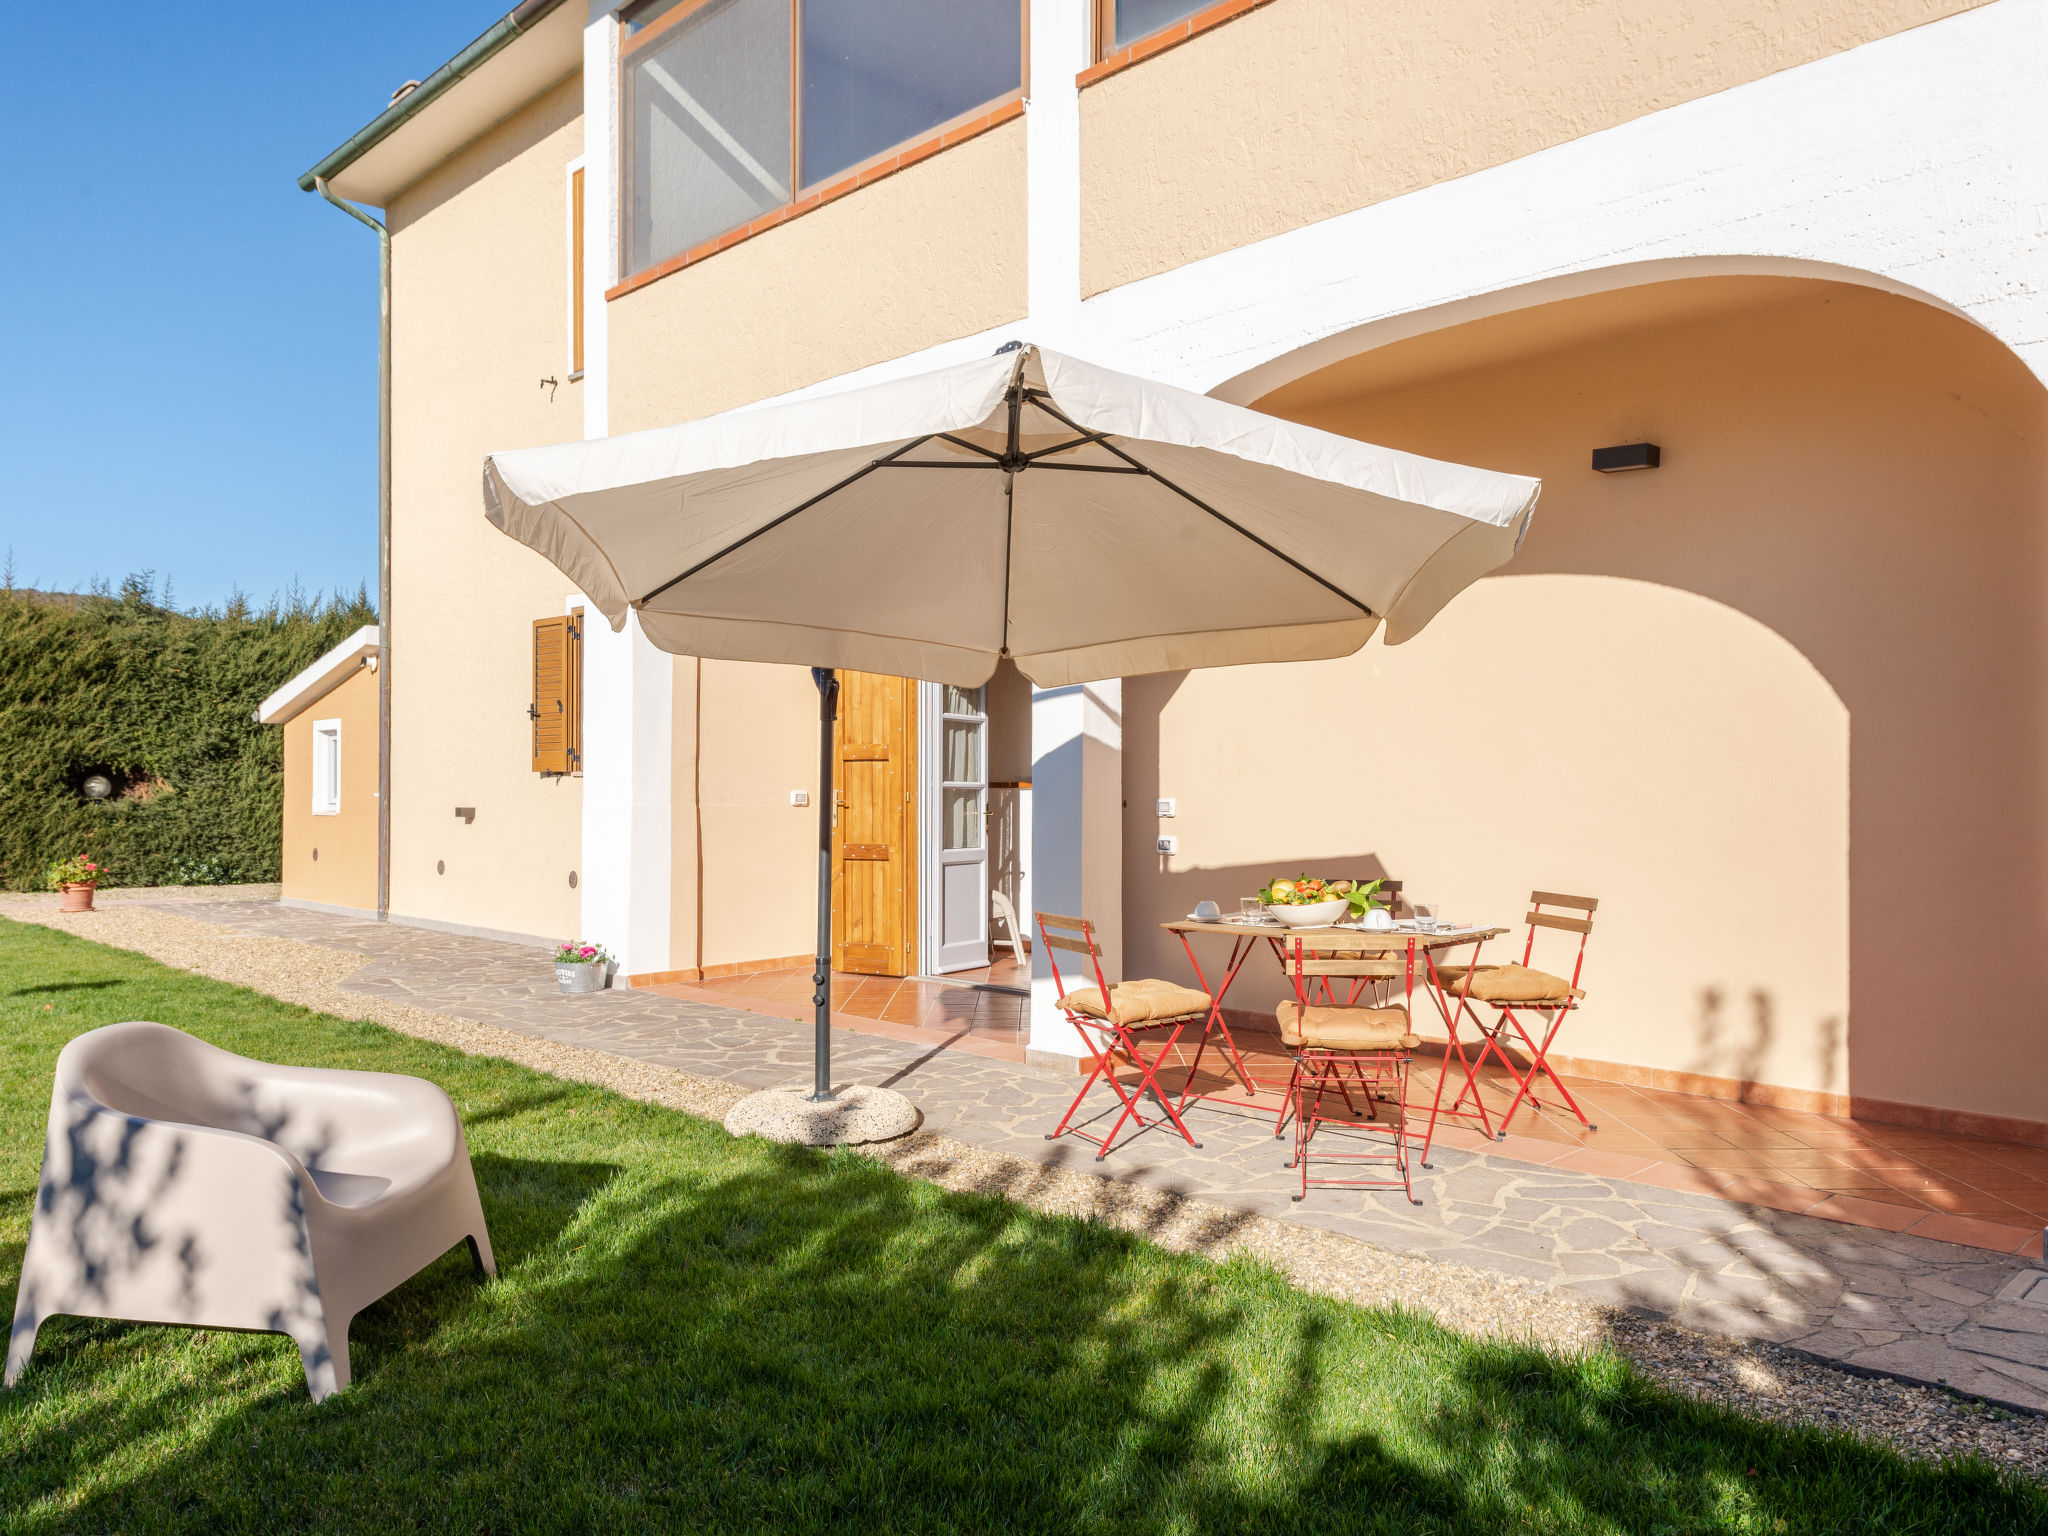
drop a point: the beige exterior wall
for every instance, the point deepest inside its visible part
(1309, 108)
(746, 734)
(929, 254)
(333, 859)
(478, 319)
(1775, 704)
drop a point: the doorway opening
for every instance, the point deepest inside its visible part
(975, 783)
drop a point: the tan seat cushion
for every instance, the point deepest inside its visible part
(1139, 1002)
(1347, 1029)
(1508, 984)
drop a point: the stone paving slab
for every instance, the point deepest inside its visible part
(1870, 1300)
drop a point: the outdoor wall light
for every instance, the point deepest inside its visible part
(1612, 461)
(97, 787)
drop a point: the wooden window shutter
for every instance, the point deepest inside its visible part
(557, 707)
(576, 270)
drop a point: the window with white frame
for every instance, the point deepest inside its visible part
(735, 108)
(326, 767)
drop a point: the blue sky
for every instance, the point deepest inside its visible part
(189, 341)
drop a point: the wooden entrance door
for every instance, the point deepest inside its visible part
(874, 835)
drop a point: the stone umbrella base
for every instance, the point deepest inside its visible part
(856, 1115)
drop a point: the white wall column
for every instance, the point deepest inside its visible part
(628, 732)
(628, 685)
(600, 206)
(1077, 793)
(1052, 149)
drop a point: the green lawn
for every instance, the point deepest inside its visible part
(692, 1331)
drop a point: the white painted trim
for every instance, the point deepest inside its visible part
(600, 209)
(321, 678)
(927, 825)
(326, 772)
(1059, 49)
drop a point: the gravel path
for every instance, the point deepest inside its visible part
(1758, 1379)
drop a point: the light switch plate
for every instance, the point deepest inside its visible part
(799, 797)
(1166, 807)
(1169, 845)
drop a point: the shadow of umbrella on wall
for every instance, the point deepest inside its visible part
(1084, 523)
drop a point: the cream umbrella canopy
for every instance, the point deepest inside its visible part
(1082, 522)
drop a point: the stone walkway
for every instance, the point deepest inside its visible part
(1880, 1302)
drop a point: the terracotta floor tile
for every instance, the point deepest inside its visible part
(1613, 1165)
(1973, 1233)
(1883, 1215)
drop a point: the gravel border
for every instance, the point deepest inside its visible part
(1761, 1380)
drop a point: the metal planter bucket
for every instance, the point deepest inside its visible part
(583, 978)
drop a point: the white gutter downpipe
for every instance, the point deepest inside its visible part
(383, 543)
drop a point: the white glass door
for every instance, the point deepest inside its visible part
(960, 895)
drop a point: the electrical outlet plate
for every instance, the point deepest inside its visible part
(1167, 807)
(799, 797)
(1169, 845)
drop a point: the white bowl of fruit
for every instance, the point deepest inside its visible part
(1308, 903)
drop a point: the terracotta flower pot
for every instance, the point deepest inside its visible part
(77, 897)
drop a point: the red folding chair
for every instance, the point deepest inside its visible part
(1110, 1020)
(1514, 990)
(1343, 1047)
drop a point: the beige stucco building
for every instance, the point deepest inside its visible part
(1773, 701)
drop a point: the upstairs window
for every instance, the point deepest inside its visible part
(734, 108)
(1119, 23)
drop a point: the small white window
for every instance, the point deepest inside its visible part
(326, 767)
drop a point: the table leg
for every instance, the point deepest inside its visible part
(1240, 951)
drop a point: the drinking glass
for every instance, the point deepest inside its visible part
(1248, 907)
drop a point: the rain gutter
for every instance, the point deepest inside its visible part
(383, 543)
(521, 18)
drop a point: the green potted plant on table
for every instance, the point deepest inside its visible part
(581, 967)
(76, 878)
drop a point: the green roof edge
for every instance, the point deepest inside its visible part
(519, 19)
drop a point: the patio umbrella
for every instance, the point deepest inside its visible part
(1082, 522)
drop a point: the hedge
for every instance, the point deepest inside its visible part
(162, 703)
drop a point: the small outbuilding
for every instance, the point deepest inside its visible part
(329, 716)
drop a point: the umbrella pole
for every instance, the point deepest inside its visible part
(821, 974)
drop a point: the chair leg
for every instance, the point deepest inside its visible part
(323, 1350)
(21, 1341)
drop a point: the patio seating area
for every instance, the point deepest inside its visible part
(1945, 1185)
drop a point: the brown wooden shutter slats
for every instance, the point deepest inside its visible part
(556, 710)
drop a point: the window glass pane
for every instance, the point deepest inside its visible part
(1141, 18)
(707, 127)
(961, 818)
(879, 72)
(962, 753)
(961, 701)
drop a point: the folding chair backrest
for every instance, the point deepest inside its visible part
(1571, 914)
(1390, 893)
(1076, 935)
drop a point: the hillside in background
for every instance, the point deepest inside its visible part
(162, 702)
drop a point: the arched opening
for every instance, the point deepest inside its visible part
(1778, 702)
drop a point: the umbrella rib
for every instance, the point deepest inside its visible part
(1045, 404)
(961, 442)
(802, 506)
